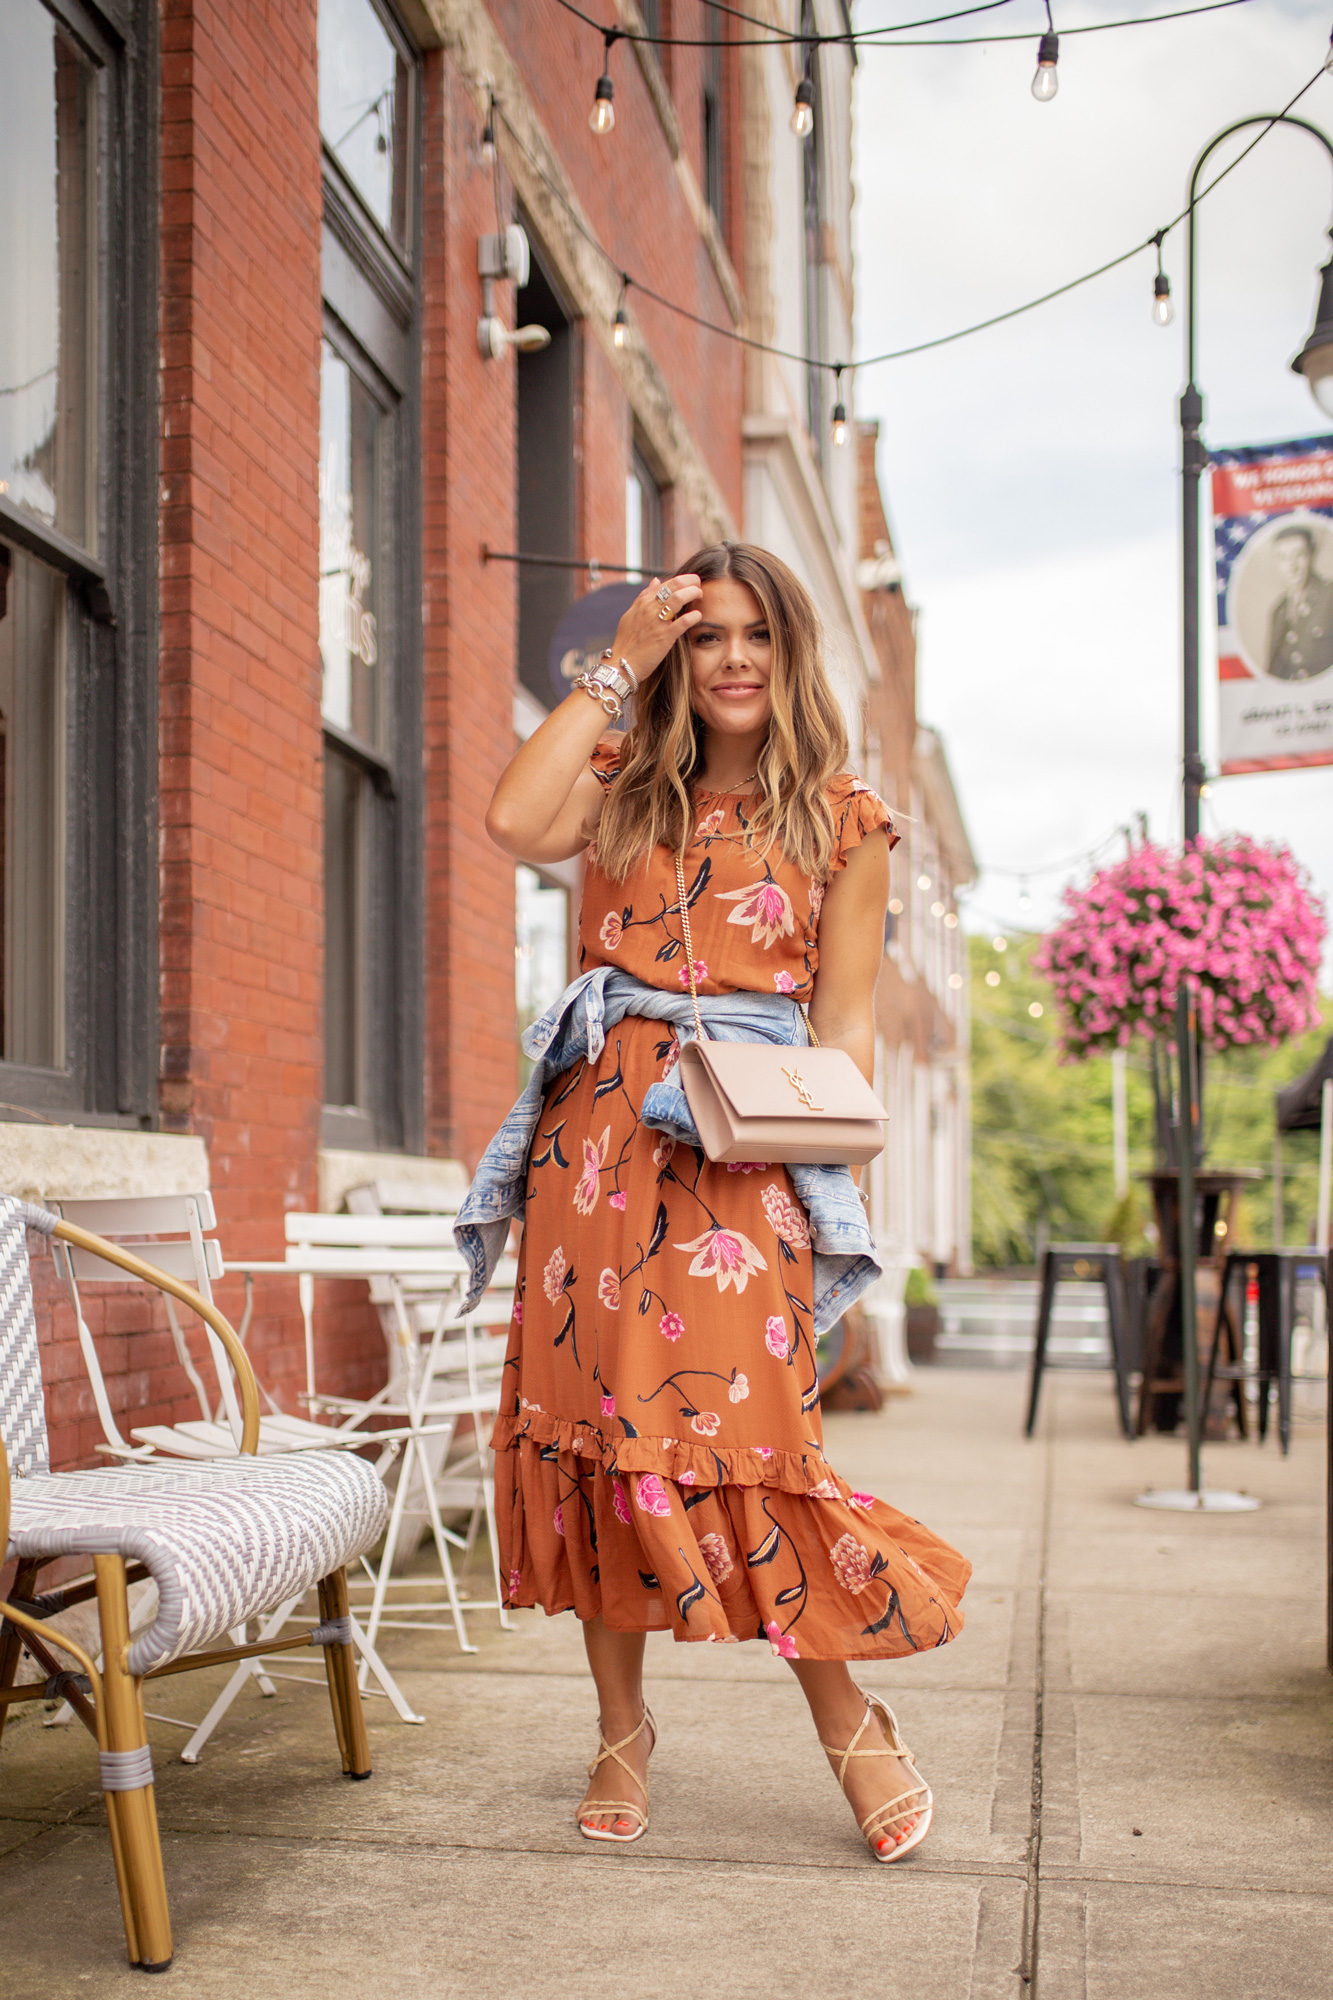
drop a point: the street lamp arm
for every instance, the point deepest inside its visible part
(1266, 119)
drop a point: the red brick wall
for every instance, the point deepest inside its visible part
(241, 747)
(241, 786)
(629, 190)
(470, 635)
(240, 772)
(633, 197)
(904, 1011)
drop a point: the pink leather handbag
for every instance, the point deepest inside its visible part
(763, 1102)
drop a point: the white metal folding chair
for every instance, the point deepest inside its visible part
(460, 1374)
(465, 1360)
(419, 1276)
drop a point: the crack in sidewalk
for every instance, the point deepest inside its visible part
(1028, 1966)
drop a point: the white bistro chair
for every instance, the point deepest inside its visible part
(176, 1234)
(222, 1540)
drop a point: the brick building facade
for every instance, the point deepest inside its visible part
(277, 946)
(920, 1187)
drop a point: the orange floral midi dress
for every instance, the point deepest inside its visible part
(659, 1451)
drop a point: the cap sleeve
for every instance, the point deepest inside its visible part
(605, 761)
(857, 812)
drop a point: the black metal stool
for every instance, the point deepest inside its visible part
(1084, 1261)
(1276, 1271)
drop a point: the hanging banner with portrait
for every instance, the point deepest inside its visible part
(1273, 536)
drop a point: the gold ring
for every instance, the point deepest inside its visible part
(664, 613)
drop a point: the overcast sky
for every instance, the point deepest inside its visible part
(1031, 471)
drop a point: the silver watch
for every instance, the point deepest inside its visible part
(617, 675)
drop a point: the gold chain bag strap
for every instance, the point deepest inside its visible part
(761, 1102)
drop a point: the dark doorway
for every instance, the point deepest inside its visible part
(545, 479)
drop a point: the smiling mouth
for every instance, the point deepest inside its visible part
(738, 688)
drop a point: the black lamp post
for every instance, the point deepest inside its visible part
(1315, 362)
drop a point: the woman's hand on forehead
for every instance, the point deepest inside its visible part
(663, 612)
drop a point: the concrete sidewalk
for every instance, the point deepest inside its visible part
(1131, 1748)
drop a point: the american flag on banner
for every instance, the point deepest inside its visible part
(1273, 543)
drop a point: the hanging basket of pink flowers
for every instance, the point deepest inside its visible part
(1236, 920)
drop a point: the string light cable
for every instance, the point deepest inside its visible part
(838, 368)
(1087, 855)
(860, 38)
(771, 36)
(810, 39)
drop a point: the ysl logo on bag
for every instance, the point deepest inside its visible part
(798, 1084)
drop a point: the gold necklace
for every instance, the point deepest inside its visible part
(732, 792)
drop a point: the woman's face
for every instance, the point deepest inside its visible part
(731, 660)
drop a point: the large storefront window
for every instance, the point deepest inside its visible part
(32, 606)
(351, 427)
(48, 470)
(350, 422)
(368, 595)
(76, 633)
(48, 253)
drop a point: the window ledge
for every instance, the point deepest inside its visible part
(47, 1162)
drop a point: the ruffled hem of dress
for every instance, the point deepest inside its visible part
(701, 1465)
(823, 1573)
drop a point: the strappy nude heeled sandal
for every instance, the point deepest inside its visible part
(915, 1802)
(596, 1807)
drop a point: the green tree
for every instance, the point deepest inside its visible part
(1041, 1129)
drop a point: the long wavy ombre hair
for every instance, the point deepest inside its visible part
(650, 803)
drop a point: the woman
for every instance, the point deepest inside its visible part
(659, 1460)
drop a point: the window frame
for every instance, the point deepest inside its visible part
(372, 318)
(109, 663)
(652, 516)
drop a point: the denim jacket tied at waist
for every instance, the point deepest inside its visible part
(845, 1258)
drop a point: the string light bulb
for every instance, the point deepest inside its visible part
(1163, 311)
(488, 135)
(803, 109)
(1047, 79)
(620, 327)
(602, 117)
(839, 410)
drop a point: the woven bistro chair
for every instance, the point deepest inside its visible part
(224, 1541)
